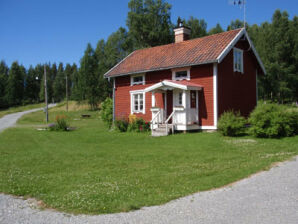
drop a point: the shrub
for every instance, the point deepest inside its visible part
(231, 124)
(121, 125)
(138, 125)
(107, 111)
(272, 121)
(60, 124)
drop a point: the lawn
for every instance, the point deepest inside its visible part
(20, 108)
(93, 170)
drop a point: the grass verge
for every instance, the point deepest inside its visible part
(93, 170)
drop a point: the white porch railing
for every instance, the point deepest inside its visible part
(157, 117)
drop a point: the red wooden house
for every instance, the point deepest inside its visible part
(188, 84)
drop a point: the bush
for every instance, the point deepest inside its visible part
(231, 124)
(138, 125)
(60, 124)
(273, 121)
(121, 125)
(107, 111)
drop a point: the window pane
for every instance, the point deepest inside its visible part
(182, 74)
(138, 79)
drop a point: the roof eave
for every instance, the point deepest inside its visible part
(159, 69)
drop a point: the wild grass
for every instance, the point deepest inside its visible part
(93, 170)
(20, 108)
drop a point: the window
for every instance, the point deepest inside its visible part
(180, 99)
(137, 102)
(238, 60)
(137, 79)
(181, 74)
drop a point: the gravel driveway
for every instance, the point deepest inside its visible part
(10, 119)
(267, 197)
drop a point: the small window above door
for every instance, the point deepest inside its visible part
(137, 79)
(181, 74)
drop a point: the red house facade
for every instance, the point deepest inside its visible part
(187, 85)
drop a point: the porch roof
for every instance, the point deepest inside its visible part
(172, 84)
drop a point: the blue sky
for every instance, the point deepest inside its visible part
(38, 31)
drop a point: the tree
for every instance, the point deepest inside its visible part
(235, 25)
(216, 29)
(88, 78)
(59, 84)
(32, 86)
(149, 23)
(15, 84)
(3, 84)
(198, 27)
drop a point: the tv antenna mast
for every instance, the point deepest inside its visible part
(241, 4)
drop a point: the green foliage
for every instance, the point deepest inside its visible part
(60, 124)
(138, 125)
(15, 84)
(59, 84)
(216, 29)
(235, 24)
(106, 112)
(277, 45)
(3, 84)
(149, 23)
(121, 124)
(272, 121)
(198, 27)
(231, 124)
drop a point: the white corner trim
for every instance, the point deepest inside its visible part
(215, 94)
(174, 70)
(136, 75)
(141, 91)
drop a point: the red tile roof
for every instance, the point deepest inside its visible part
(192, 52)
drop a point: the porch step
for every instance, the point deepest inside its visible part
(161, 131)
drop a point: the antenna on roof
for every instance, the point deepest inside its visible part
(241, 4)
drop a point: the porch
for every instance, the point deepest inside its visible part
(178, 109)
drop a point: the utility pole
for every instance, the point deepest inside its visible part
(66, 93)
(46, 93)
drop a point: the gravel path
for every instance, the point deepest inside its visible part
(10, 119)
(267, 197)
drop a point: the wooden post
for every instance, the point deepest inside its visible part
(66, 93)
(46, 93)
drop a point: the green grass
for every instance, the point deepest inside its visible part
(20, 108)
(93, 170)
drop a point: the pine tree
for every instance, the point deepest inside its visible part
(216, 29)
(88, 78)
(59, 84)
(32, 86)
(3, 84)
(15, 85)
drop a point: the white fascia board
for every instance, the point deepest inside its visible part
(117, 64)
(230, 46)
(256, 53)
(153, 87)
(174, 85)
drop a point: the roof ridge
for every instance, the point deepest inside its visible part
(187, 40)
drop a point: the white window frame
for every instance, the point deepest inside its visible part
(132, 83)
(132, 106)
(237, 50)
(174, 71)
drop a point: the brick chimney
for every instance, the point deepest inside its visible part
(182, 32)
